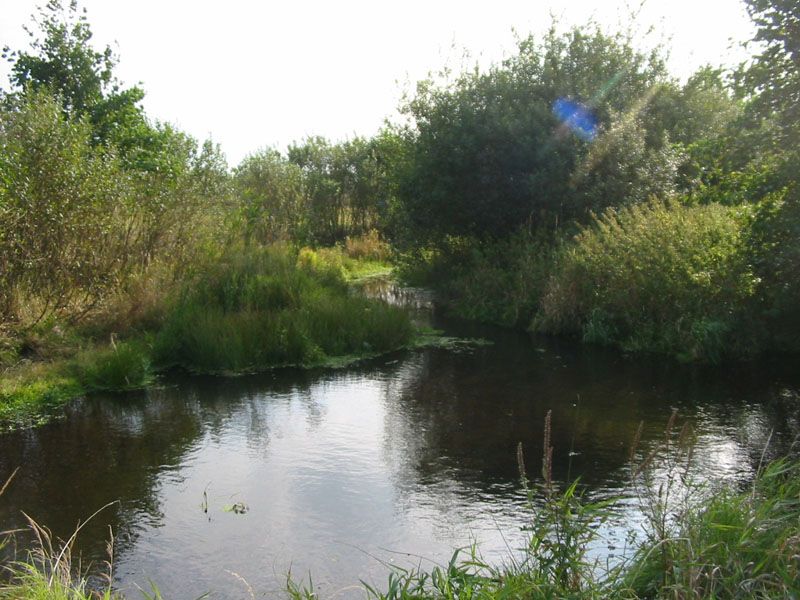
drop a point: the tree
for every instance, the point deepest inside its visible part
(498, 150)
(773, 77)
(347, 185)
(272, 196)
(62, 238)
(62, 60)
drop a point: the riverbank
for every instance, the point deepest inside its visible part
(245, 311)
(698, 282)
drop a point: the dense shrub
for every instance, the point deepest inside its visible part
(61, 239)
(497, 282)
(368, 246)
(774, 247)
(656, 277)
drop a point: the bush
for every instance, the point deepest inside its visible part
(61, 241)
(659, 277)
(368, 246)
(774, 245)
(497, 282)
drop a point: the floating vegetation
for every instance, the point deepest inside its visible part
(238, 508)
(434, 338)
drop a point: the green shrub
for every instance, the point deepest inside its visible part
(368, 246)
(499, 281)
(658, 276)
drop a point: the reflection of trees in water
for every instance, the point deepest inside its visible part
(122, 449)
(101, 452)
(461, 415)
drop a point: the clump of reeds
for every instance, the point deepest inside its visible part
(730, 545)
(50, 571)
(262, 308)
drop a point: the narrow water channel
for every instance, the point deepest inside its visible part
(395, 461)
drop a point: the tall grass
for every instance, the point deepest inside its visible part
(269, 307)
(49, 570)
(734, 545)
(121, 367)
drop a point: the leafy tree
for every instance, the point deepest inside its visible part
(490, 153)
(62, 60)
(773, 76)
(347, 184)
(61, 237)
(272, 196)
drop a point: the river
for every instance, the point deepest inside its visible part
(396, 461)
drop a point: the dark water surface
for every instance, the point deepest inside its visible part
(397, 461)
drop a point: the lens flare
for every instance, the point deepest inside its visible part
(577, 117)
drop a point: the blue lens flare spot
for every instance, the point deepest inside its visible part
(577, 117)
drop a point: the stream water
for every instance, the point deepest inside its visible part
(396, 461)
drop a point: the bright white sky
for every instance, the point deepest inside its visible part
(254, 74)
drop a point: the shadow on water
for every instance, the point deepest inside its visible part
(411, 453)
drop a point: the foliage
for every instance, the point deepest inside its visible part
(489, 153)
(656, 277)
(272, 196)
(772, 77)
(60, 236)
(62, 61)
(774, 248)
(345, 186)
(368, 246)
(497, 282)
(734, 545)
(254, 310)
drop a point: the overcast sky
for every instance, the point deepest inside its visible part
(254, 74)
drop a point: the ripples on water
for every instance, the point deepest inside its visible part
(396, 461)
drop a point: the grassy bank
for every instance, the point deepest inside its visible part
(240, 311)
(252, 311)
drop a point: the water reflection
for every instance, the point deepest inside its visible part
(401, 458)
